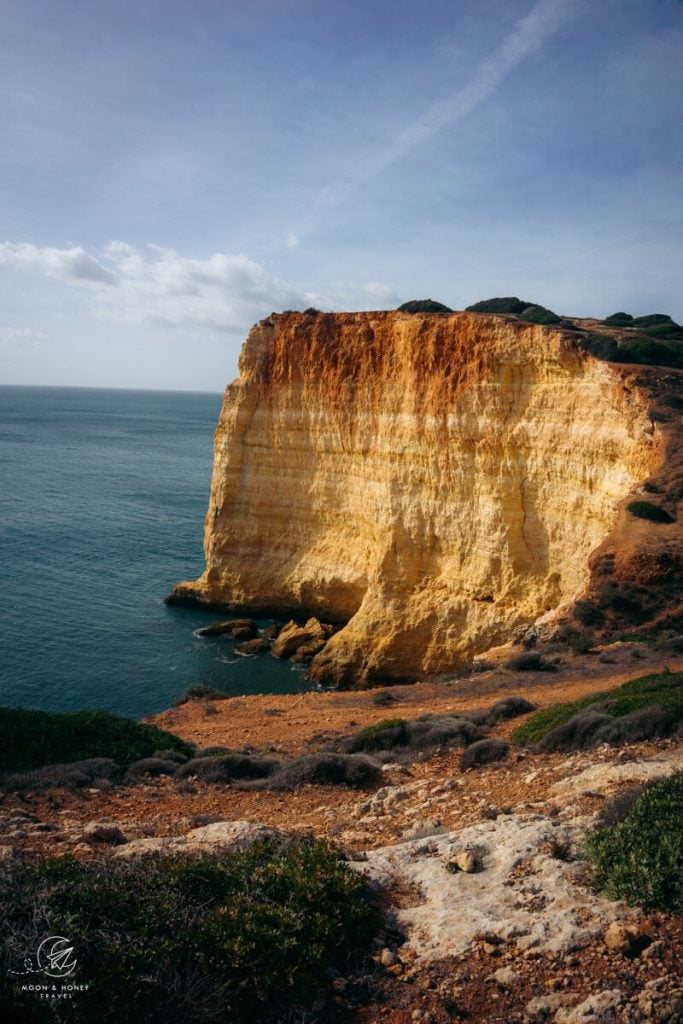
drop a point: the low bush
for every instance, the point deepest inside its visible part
(152, 766)
(237, 937)
(630, 603)
(673, 402)
(653, 320)
(392, 732)
(508, 707)
(424, 306)
(618, 320)
(483, 752)
(648, 352)
(171, 755)
(530, 661)
(430, 731)
(663, 690)
(383, 698)
(639, 858)
(602, 346)
(581, 644)
(503, 304)
(327, 769)
(77, 775)
(665, 332)
(407, 739)
(648, 510)
(618, 807)
(539, 315)
(227, 768)
(33, 739)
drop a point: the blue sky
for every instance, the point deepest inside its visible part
(170, 171)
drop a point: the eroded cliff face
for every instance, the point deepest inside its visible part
(428, 481)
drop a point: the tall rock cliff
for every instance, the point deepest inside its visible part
(429, 482)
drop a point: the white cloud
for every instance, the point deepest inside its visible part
(73, 264)
(292, 240)
(220, 292)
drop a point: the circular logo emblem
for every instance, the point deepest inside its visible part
(56, 957)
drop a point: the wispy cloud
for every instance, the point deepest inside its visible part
(219, 292)
(529, 35)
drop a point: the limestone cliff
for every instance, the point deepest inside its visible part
(430, 482)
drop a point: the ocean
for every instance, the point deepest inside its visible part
(103, 495)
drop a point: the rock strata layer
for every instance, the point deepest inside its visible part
(429, 483)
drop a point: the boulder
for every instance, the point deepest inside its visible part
(627, 937)
(504, 977)
(465, 860)
(256, 646)
(238, 628)
(219, 835)
(103, 832)
(601, 1008)
(292, 636)
(307, 652)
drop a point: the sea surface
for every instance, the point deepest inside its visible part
(103, 495)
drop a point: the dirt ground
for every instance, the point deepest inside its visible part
(458, 987)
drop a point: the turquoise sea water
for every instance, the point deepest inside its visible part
(102, 503)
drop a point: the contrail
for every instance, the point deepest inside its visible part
(529, 35)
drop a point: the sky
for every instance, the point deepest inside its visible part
(173, 171)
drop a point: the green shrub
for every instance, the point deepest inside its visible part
(327, 769)
(424, 306)
(76, 775)
(383, 698)
(640, 859)
(619, 320)
(506, 708)
(581, 644)
(665, 332)
(653, 320)
(407, 740)
(647, 510)
(227, 767)
(648, 352)
(391, 732)
(483, 752)
(539, 315)
(602, 346)
(663, 689)
(32, 739)
(504, 304)
(588, 614)
(530, 661)
(596, 725)
(236, 937)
